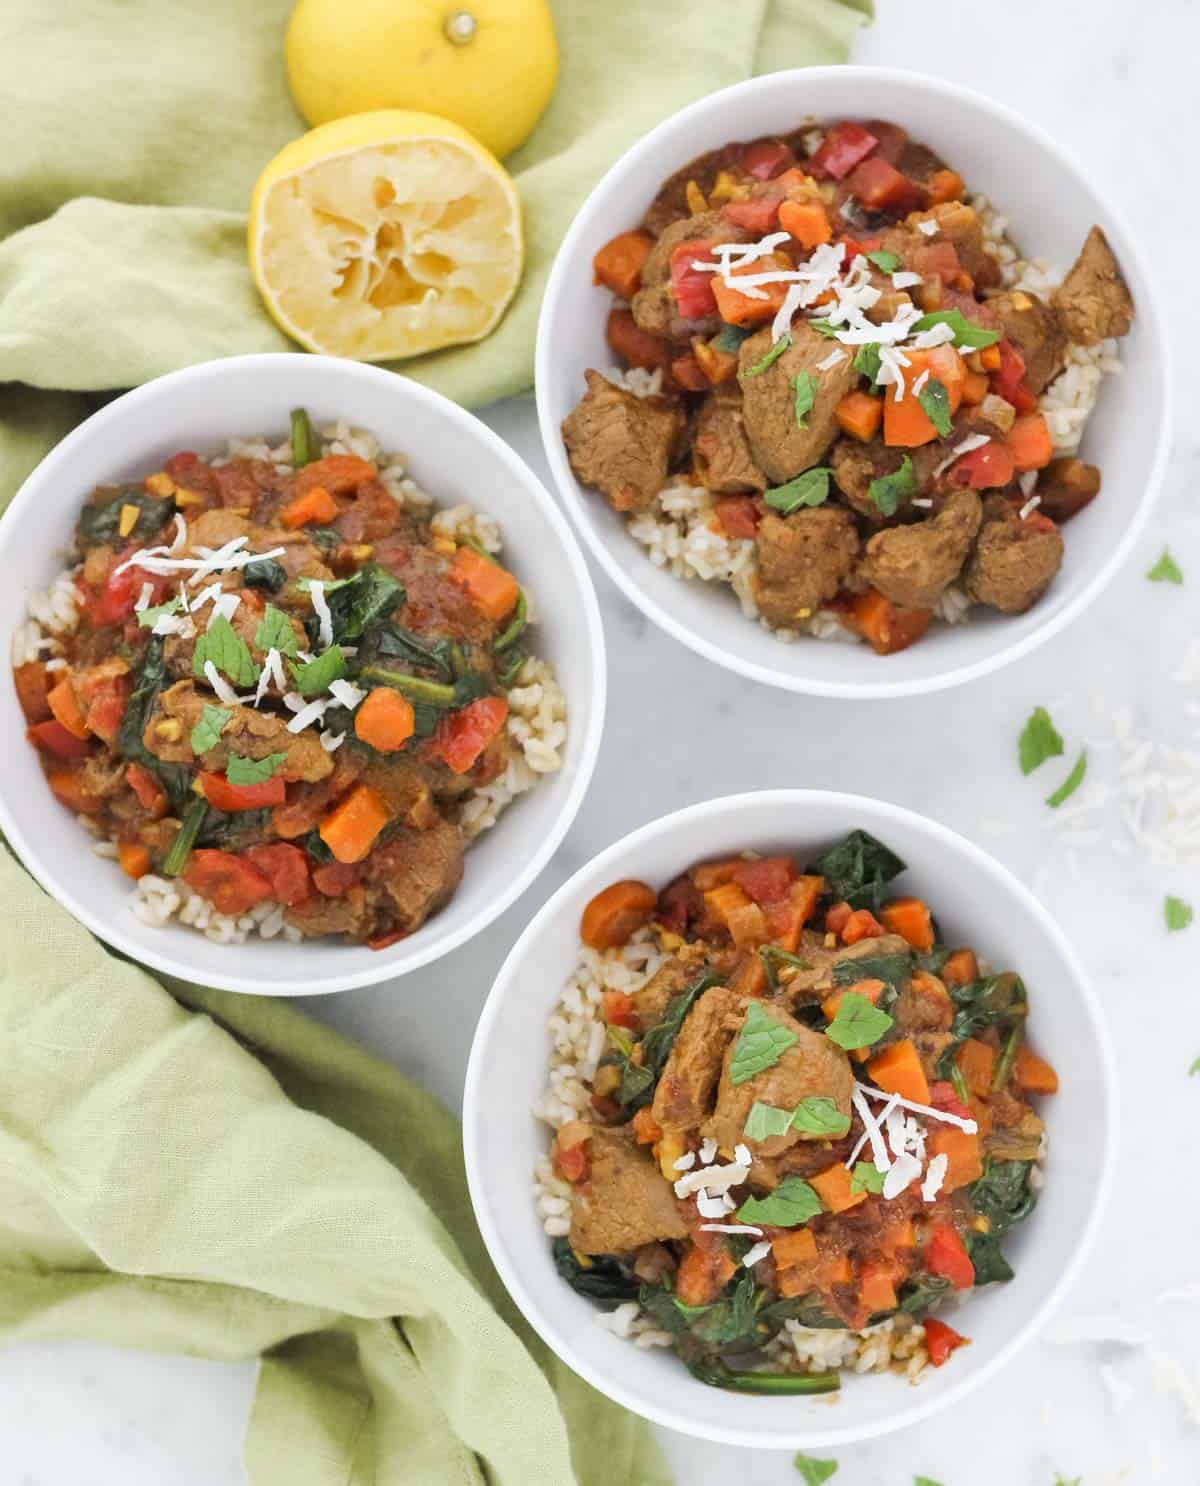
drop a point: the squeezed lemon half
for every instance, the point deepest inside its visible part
(385, 235)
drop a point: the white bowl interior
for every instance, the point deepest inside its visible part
(1050, 207)
(977, 902)
(457, 459)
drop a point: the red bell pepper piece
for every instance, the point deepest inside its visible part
(1008, 380)
(946, 1255)
(985, 468)
(52, 738)
(285, 868)
(151, 795)
(692, 288)
(766, 158)
(941, 1340)
(843, 147)
(943, 1097)
(222, 795)
(618, 1009)
(230, 883)
(757, 215)
(114, 603)
(463, 735)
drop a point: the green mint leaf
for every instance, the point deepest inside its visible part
(857, 1023)
(768, 361)
(825, 328)
(1039, 740)
(222, 644)
(866, 361)
(764, 1120)
(1177, 913)
(314, 676)
(147, 618)
(806, 385)
(866, 1177)
(760, 1044)
(1195, 1068)
(809, 489)
(1166, 569)
(935, 401)
(819, 1115)
(1062, 1480)
(1071, 783)
(966, 332)
(814, 1471)
(888, 492)
(884, 261)
(207, 732)
(791, 1203)
(927, 1481)
(275, 632)
(252, 770)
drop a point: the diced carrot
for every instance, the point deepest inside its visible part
(491, 588)
(350, 829)
(897, 1070)
(616, 913)
(806, 221)
(906, 425)
(708, 875)
(925, 984)
(703, 1272)
(52, 738)
(876, 1286)
(65, 706)
(718, 366)
(786, 920)
(832, 1186)
(902, 1235)
(961, 968)
(133, 858)
(618, 265)
(30, 681)
(730, 905)
(68, 790)
(793, 1248)
(385, 720)
(646, 1129)
(1029, 443)
(837, 1269)
(314, 507)
(991, 357)
(687, 372)
(961, 1150)
(618, 1009)
(944, 185)
(975, 388)
(859, 414)
(637, 346)
(885, 626)
(737, 516)
(737, 308)
(862, 924)
(911, 919)
(1034, 1074)
(339, 474)
(870, 989)
(836, 916)
(976, 1062)
(750, 976)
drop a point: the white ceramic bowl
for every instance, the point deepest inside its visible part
(1050, 206)
(457, 459)
(977, 902)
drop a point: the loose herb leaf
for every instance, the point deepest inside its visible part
(966, 332)
(805, 385)
(1166, 569)
(764, 1121)
(819, 1115)
(1177, 913)
(314, 676)
(768, 361)
(884, 261)
(809, 489)
(302, 439)
(729, 339)
(935, 401)
(275, 632)
(858, 869)
(222, 644)
(888, 492)
(252, 770)
(1195, 1068)
(603, 1278)
(867, 360)
(925, 1481)
(791, 1203)
(760, 1044)
(1071, 783)
(814, 1471)
(866, 1177)
(207, 732)
(148, 618)
(857, 1023)
(1039, 740)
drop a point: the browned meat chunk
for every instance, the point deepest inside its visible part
(1066, 486)
(420, 870)
(811, 983)
(316, 916)
(671, 978)
(1094, 300)
(961, 225)
(624, 1203)
(914, 565)
(671, 203)
(1035, 329)
(621, 444)
(249, 733)
(780, 446)
(855, 465)
(723, 459)
(654, 307)
(802, 562)
(812, 1066)
(685, 1090)
(1014, 560)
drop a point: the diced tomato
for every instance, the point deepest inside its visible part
(285, 868)
(637, 346)
(332, 879)
(114, 603)
(946, 1255)
(184, 467)
(618, 1009)
(837, 916)
(692, 288)
(854, 249)
(463, 735)
(106, 702)
(674, 904)
(738, 516)
(757, 215)
(861, 924)
(939, 258)
(941, 1340)
(52, 738)
(30, 680)
(222, 795)
(689, 374)
(1008, 381)
(880, 187)
(943, 1097)
(766, 158)
(229, 882)
(892, 139)
(843, 147)
(151, 795)
(766, 881)
(986, 468)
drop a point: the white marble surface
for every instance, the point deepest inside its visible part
(1116, 84)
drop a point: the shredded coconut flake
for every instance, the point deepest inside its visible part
(220, 685)
(316, 591)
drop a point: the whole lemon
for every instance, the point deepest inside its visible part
(490, 65)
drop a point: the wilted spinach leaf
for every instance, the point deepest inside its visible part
(807, 1309)
(264, 572)
(355, 605)
(102, 523)
(922, 1292)
(1003, 1194)
(990, 1264)
(894, 970)
(989, 1001)
(149, 679)
(235, 830)
(657, 1045)
(858, 869)
(605, 1278)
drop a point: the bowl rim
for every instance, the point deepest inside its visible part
(407, 955)
(794, 802)
(1150, 315)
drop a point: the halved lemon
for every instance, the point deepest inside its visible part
(385, 235)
